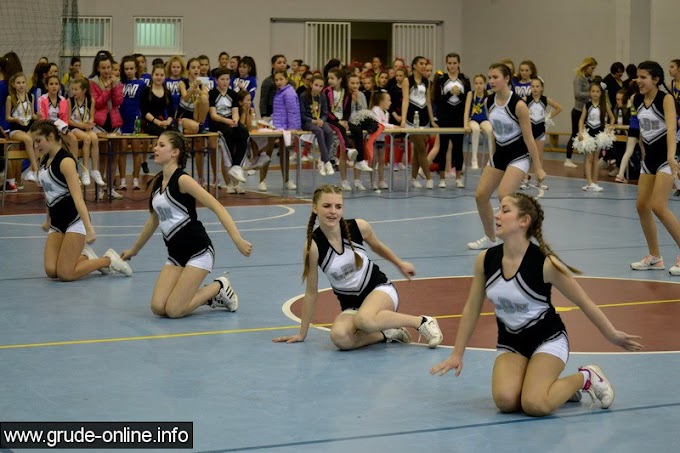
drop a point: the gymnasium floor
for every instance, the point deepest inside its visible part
(93, 351)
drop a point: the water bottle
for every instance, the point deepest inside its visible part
(416, 120)
(138, 126)
(619, 118)
(253, 119)
(180, 126)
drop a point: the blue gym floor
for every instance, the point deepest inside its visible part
(93, 351)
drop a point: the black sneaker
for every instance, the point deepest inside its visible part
(145, 168)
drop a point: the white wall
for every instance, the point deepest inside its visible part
(664, 37)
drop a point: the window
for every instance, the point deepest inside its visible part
(158, 35)
(86, 35)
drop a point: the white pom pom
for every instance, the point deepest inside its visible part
(604, 140)
(587, 145)
(549, 123)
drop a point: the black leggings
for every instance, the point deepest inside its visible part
(236, 138)
(575, 118)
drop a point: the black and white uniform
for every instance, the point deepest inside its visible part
(22, 111)
(526, 318)
(185, 108)
(451, 113)
(64, 217)
(510, 147)
(349, 284)
(595, 119)
(235, 138)
(537, 111)
(417, 102)
(184, 235)
(80, 113)
(653, 131)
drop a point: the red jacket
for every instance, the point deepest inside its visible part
(44, 107)
(105, 101)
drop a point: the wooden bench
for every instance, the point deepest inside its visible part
(553, 144)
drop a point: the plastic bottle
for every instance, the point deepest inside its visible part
(253, 119)
(138, 126)
(619, 118)
(180, 126)
(416, 119)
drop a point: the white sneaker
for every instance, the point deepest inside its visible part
(230, 188)
(358, 185)
(675, 269)
(399, 335)
(569, 164)
(330, 171)
(598, 386)
(383, 185)
(322, 168)
(597, 188)
(344, 185)
(352, 154)
(89, 253)
(648, 263)
(123, 184)
(262, 187)
(31, 176)
(482, 244)
(431, 331)
(226, 297)
(363, 166)
(415, 184)
(239, 188)
(460, 184)
(293, 157)
(97, 176)
(85, 178)
(115, 195)
(135, 184)
(304, 158)
(474, 165)
(442, 184)
(237, 173)
(429, 184)
(262, 160)
(117, 263)
(250, 172)
(290, 185)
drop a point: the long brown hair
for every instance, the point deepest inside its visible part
(326, 188)
(528, 205)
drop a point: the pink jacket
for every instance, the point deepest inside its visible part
(105, 101)
(44, 107)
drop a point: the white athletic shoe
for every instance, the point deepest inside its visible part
(598, 386)
(290, 185)
(399, 335)
(322, 168)
(329, 168)
(569, 164)
(363, 166)
(429, 184)
(31, 176)
(352, 154)
(442, 184)
(358, 185)
(262, 187)
(91, 255)
(117, 263)
(97, 176)
(482, 244)
(226, 297)
(237, 173)
(344, 185)
(85, 178)
(648, 263)
(430, 330)
(675, 269)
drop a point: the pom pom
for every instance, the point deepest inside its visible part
(360, 116)
(604, 140)
(587, 145)
(549, 123)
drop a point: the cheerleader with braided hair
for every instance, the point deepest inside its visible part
(533, 348)
(191, 256)
(367, 297)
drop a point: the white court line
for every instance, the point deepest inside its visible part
(288, 209)
(285, 308)
(297, 227)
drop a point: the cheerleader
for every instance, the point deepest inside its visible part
(594, 116)
(190, 252)
(658, 120)
(368, 299)
(67, 257)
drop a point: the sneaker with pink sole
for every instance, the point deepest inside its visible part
(648, 263)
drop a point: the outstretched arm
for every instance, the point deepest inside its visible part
(188, 185)
(468, 321)
(148, 231)
(309, 301)
(384, 251)
(557, 274)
